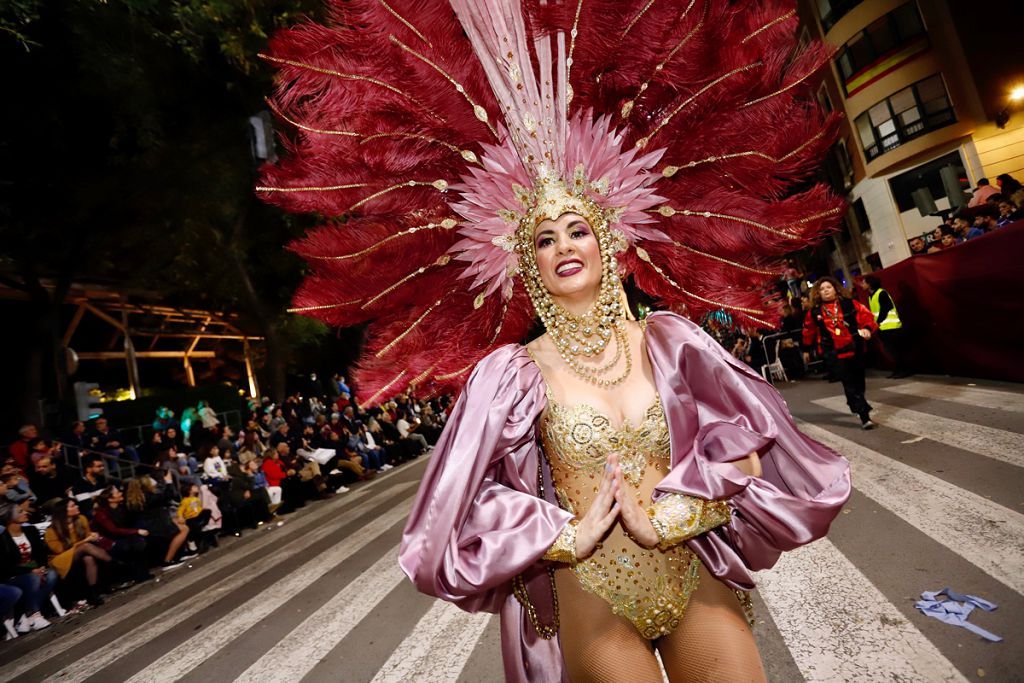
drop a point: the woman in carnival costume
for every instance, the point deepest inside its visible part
(610, 486)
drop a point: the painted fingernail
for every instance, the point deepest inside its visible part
(607, 467)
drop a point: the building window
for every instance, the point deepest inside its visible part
(885, 45)
(831, 11)
(927, 175)
(824, 100)
(845, 164)
(905, 115)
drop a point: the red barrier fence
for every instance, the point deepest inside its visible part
(963, 308)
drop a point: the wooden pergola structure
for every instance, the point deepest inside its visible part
(146, 328)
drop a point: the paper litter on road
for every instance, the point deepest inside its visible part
(955, 608)
(914, 440)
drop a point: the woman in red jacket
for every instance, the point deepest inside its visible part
(839, 328)
(286, 482)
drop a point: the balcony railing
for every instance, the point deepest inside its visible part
(929, 123)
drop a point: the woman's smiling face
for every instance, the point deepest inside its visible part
(568, 258)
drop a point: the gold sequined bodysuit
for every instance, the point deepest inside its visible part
(648, 587)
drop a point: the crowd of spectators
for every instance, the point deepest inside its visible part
(989, 209)
(90, 512)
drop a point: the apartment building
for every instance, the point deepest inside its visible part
(925, 85)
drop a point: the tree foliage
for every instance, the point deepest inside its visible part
(128, 131)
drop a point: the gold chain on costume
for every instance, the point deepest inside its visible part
(519, 586)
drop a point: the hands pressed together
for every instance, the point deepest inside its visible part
(616, 501)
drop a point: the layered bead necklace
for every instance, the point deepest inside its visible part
(587, 335)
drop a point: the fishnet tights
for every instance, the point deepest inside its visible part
(713, 643)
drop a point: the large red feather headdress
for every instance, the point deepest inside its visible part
(424, 132)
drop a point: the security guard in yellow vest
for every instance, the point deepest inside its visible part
(889, 325)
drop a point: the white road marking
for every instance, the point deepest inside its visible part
(298, 653)
(160, 624)
(437, 649)
(990, 442)
(971, 396)
(840, 628)
(205, 643)
(206, 567)
(984, 533)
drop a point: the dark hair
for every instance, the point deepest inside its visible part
(982, 182)
(103, 500)
(1009, 184)
(946, 230)
(873, 281)
(186, 488)
(996, 198)
(60, 523)
(90, 460)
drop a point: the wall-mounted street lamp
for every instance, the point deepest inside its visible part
(1015, 98)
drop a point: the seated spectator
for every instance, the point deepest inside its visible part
(253, 467)
(965, 231)
(280, 435)
(430, 426)
(41, 448)
(1011, 188)
(148, 507)
(107, 440)
(74, 548)
(50, 480)
(252, 445)
(91, 483)
(1009, 213)
(398, 449)
(935, 237)
(947, 239)
(917, 246)
(369, 444)
(196, 518)
(19, 450)
(126, 544)
(280, 476)
(75, 443)
(985, 222)
(228, 442)
(252, 504)
(981, 193)
(16, 487)
(151, 448)
(23, 564)
(407, 428)
(172, 437)
(308, 469)
(214, 469)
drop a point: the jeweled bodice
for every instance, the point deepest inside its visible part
(648, 587)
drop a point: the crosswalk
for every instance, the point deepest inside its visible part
(937, 502)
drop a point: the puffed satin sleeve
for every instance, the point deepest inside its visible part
(719, 411)
(476, 522)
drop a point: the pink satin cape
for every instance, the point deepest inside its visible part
(477, 521)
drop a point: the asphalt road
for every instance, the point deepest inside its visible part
(938, 503)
